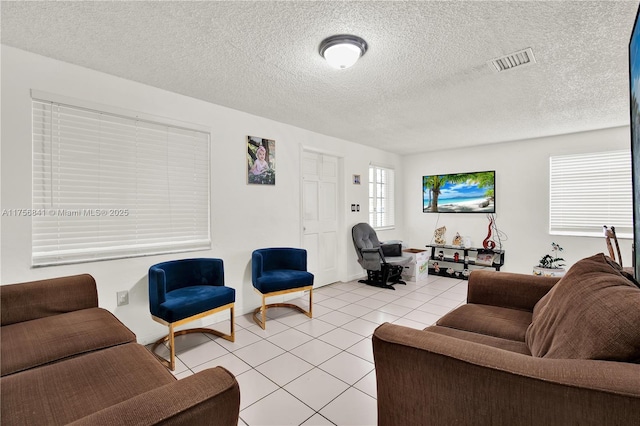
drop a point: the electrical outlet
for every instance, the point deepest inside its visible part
(123, 297)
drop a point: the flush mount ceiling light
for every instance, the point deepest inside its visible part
(342, 51)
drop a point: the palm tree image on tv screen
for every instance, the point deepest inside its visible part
(459, 193)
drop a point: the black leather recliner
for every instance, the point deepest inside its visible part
(384, 263)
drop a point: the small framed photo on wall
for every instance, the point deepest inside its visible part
(261, 161)
(356, 179)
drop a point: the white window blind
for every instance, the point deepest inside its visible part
(381, 199)
(108, 186)
(588, 191)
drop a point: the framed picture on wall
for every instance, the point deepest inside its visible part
(261, 161)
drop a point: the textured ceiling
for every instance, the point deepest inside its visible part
(424, 84)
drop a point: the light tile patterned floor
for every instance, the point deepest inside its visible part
(319, 371)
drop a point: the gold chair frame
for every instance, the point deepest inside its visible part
(264, 307)
(171, 362)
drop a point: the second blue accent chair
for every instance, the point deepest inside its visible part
(185, 290)
(278, 271)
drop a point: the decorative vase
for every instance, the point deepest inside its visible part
(548, 272)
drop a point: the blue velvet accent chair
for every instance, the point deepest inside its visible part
(181, 291)
(278, 271)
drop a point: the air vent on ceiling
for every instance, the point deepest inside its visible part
(513, 60)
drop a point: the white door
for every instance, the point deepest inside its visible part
(320, 215)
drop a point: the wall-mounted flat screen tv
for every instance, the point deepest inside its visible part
(459, 193)
(634, 95)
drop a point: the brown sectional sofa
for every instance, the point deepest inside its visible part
(64, 360)
(524, 350)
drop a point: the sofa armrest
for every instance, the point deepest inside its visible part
(209, 397)
(507, 289)
(39, 299)
(431, 379)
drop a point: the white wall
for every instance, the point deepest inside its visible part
(522, 196)
(243, 218)
(247, 217)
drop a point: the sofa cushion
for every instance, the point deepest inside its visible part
(495, 321)
(496, 342)
(65, 391)
(593, 312)
(28, 344)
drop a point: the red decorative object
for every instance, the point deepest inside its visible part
(456, 256)
(488, 243)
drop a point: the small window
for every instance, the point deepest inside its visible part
(109, 186)
(381, 200)
(588, 191)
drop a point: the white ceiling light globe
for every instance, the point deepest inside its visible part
(342, 51)
(342, 56)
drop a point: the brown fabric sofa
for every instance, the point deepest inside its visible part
(64, 360)
(524, 350)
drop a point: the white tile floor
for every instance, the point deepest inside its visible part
(319, 371)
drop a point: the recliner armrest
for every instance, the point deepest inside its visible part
(392, 250)
(371, 259)
(209, 397)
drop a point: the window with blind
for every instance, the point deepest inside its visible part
(588, 191)
(381, 202)
(109, 185)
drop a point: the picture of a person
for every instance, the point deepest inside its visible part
(260, 165)
(261, 161)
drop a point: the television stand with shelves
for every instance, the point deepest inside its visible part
(466, 256)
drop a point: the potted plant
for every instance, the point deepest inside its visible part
(550, 265)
